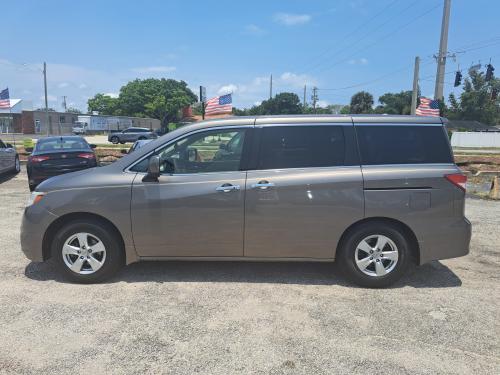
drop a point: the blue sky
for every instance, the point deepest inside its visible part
(97, 46)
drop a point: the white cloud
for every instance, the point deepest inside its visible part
(112, 94)
(254, 30)
(82, 86)
(226, 89)
(361, 61)
(296, 80)
(154, 69)
(289, 19)
(322, 103)
(63, 85)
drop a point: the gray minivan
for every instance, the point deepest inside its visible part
(372, 193)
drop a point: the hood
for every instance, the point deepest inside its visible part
(86, 178)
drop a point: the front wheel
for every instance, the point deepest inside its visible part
(374, 255)
(114, 140)
(17, 165)
(87, 251)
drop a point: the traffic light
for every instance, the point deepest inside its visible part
(489, 72)
(458, 79)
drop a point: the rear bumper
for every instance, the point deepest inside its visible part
(452, 241)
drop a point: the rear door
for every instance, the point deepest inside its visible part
(305, 191)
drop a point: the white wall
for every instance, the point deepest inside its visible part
(475, 139)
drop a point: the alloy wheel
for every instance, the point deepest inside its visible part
(84, 253)
(376, 255)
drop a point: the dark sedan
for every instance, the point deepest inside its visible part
(53, 156)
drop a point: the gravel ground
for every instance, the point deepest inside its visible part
(258, 318)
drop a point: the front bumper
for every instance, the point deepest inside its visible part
(34, 225)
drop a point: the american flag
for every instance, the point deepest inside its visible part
(219, 104)
(428, 107)
(4, 99)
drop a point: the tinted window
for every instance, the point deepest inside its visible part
(210, 151)
(302, 146)
(403, 144)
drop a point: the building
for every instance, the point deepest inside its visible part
(21, 118)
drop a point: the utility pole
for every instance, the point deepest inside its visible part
(64, 103)
(304, 101)
(415, 86)
(46, 101)
(271, 87)
(443, 52)
(314, 98)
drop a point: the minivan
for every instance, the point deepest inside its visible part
(372, 193)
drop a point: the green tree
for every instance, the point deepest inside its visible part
(361, 102)
(73, 110)
(157, 98)
(395, 103)
(285, 103)
(104, 104)
(475, 102)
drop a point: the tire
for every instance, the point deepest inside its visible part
(17, 166)
(114, 140)
(102, 247)
(383, 266)
(32, 187)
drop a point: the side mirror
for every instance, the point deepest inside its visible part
(92, 145)
(222, 146)
(153, 169)
(9, 145)
(192, 154)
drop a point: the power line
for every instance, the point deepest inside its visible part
(329, 49)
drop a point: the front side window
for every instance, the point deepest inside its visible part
(302, 147)
(210, 151)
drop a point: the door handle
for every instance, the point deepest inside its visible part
(263, 185)
(226, 188)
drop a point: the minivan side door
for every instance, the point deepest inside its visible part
(196, 209)
(306, 189)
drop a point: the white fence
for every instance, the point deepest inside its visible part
(475, 139)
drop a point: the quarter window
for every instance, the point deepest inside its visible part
(405, 144)
(210, 151)
(302, 146)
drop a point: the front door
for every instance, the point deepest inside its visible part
(302, 196)
(196, 209)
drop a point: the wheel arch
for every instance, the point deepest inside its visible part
(404, 228)
(57, 224)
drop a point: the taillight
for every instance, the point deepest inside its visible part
(38, 159)
(86, 155)
(457, 179)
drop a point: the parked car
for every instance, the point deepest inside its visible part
(131, 135)
(138, 144)
(53, 156)
(9, 159)
(373, 193)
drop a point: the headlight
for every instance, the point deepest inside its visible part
(35, 197)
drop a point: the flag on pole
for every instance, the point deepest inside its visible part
(428, 107)
(219, 104)
(4, 99)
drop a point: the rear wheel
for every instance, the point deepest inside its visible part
(87, 251)
(114, 140)
(374, 255)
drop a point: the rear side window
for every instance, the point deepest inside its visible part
(301, 146)
(392, 144)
